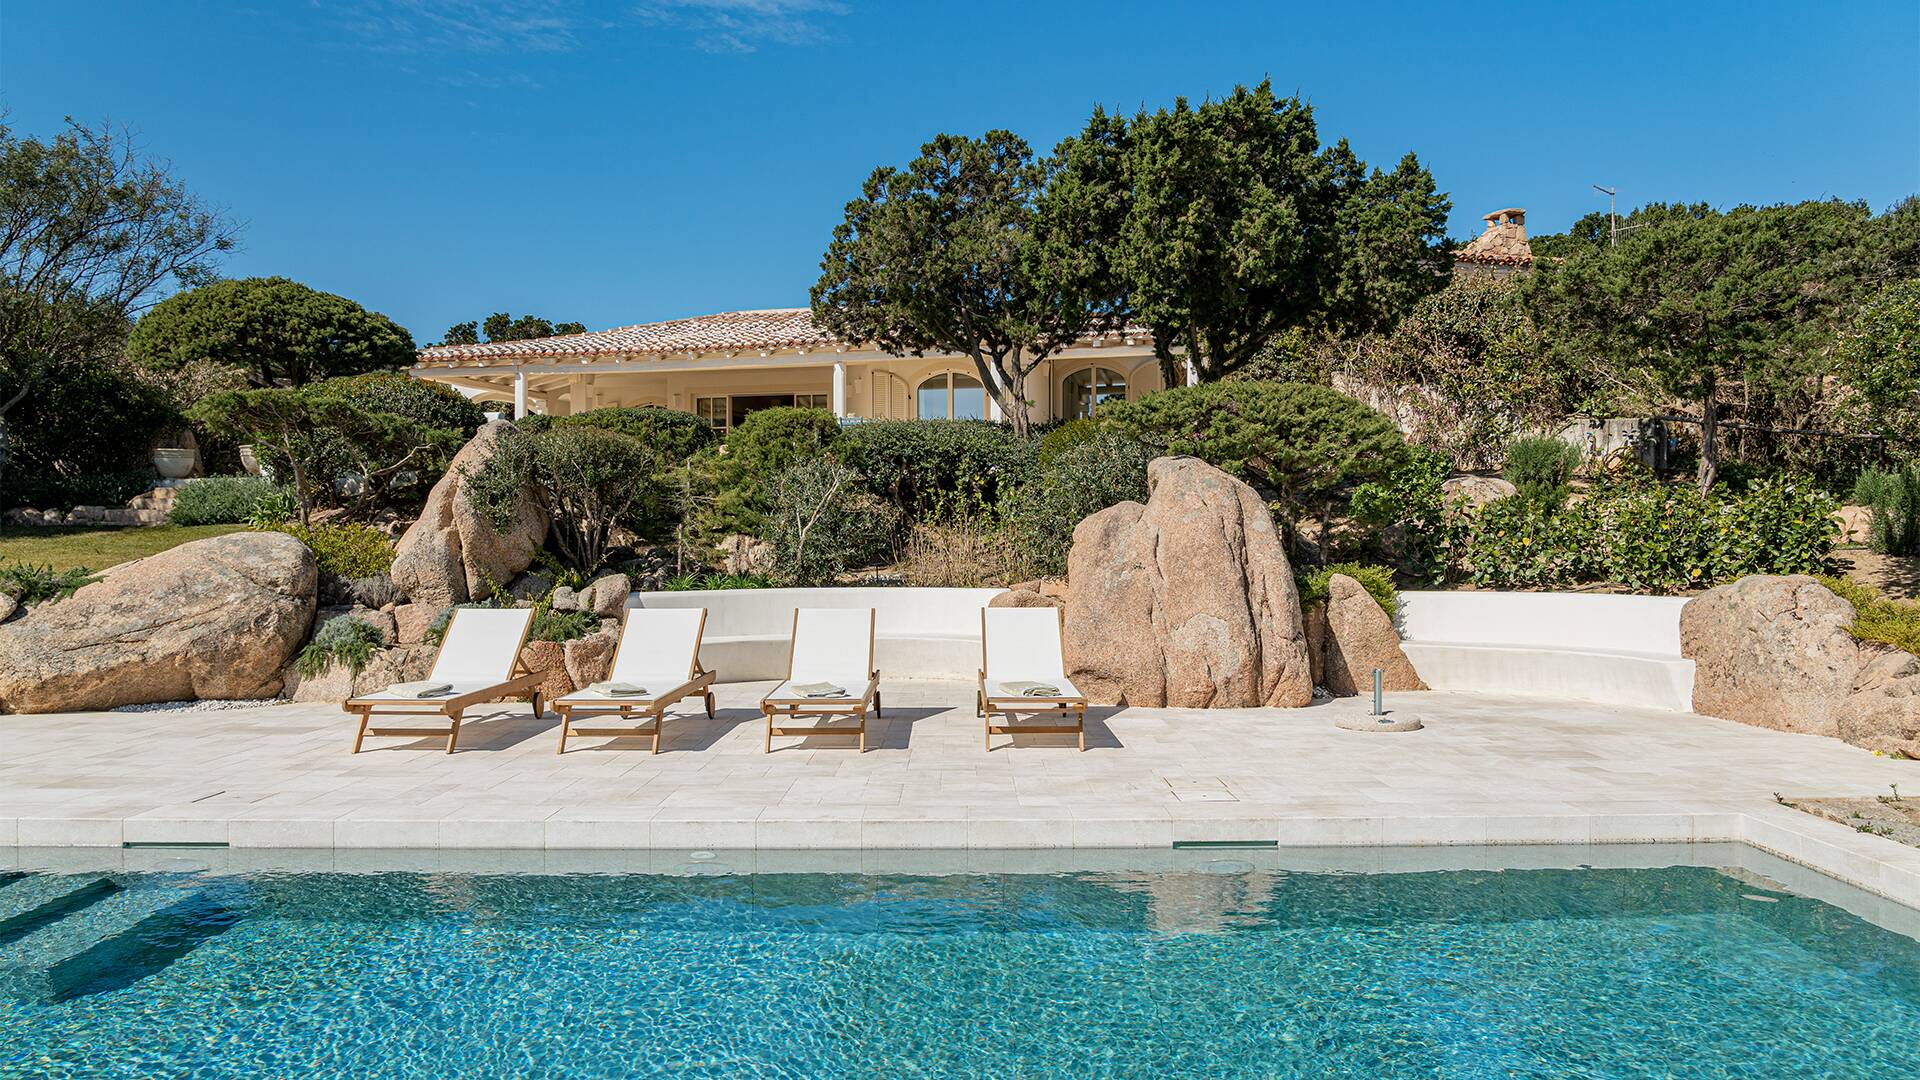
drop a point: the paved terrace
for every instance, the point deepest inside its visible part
(1485, 770)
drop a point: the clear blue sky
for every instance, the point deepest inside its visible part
(619, 163)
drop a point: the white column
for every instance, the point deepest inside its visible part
(1193, 373)
(839, 388)
(519, 394)
(577, 395)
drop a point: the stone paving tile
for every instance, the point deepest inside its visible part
(1485, 770)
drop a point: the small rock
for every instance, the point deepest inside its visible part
(410, 623)
(530, 586)
(607, 596)
(1474, 491)
(565, 599)
(589, 659)
(549, 659)
(1020, 597)
(8, 605)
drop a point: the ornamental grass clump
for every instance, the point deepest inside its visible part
(1876, 617)
(344, 639)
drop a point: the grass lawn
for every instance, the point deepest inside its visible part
(97, 549)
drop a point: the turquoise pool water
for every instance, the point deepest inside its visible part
(1683, 971)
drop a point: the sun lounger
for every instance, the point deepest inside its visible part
(478, 662)
(656, 664)
(829, 673)
(1023, 670)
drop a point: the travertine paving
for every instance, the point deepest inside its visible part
(1484, 770)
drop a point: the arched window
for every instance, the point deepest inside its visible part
(951, 395)
(1089, 388)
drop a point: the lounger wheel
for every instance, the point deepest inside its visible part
(709, 704)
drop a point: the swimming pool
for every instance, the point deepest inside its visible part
(1220, 965)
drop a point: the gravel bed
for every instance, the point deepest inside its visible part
(202, 706)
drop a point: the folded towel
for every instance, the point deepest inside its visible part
(618, 689)
(1032, 689)
(819, 689)
(421, 688)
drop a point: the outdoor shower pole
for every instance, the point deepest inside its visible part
(1376, 693)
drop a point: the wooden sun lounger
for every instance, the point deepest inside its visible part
(833, 638)
(1041, 658)
(468, 690)
(629, 665)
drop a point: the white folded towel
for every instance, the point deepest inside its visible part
(619, 689)
(421, 688)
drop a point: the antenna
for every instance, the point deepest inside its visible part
(1613, 222)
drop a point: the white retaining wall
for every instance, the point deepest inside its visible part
(919, 633)
(1622, 650)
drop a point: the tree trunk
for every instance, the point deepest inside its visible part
(1015, 408)
(1709, 435)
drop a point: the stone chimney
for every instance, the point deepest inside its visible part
(1501, 249)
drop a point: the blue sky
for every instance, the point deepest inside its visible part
(624, 162)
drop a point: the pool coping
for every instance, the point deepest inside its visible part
(1869, 863)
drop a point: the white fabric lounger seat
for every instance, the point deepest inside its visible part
(834, 646)
(479, 660)
(659, 652)
(1026, 645)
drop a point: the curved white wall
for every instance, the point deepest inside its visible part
(919, 633)
(1623, 650)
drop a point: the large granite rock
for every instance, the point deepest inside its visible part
(1771, 651)
(449, 554)
(216, 618)
(549, 660)
(1187, 601)
(1776, 652)
(1355, 637)
(588, 660)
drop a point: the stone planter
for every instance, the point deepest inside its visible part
(175, 463)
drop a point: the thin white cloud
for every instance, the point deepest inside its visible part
(559, 26)
(743, 26)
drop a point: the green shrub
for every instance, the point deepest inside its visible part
(82, 438)
(674, 435)
(428, 404)
(342, 548)
(1877, 618)
(730, 484)
(1652, 537)
(30, 584)
(1065, 437)
(551, 625)
(1407, 511)
(692, 582)
(1377, 580)
(591, 479)
(1308, 444)
(1892, 496)
(928, 466)
(821, 523)
(274, 510)
(221, 500)
(1540, 468)
(1084, 479)
(342, 638)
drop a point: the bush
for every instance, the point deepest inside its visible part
(1652, 537)
(222, 500)
(928, 466)
(591, 479)
(1876, 618)
(82, 438)
(345, 639)
(1540, 469)
(1084, 479)
(1892, 496)
(674, 435)
(821, 523)
(344, 549)
(1408, 512)
(1308, 444)
(733, 482)
(428, 404)
(1377, 580)
(1064, 438)
(30, 584)
(551, 625)
(692, 582)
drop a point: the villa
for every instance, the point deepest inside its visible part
(726, 365)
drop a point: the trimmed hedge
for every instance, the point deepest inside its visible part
(674, 435)
(919, 464)
(425, 403)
